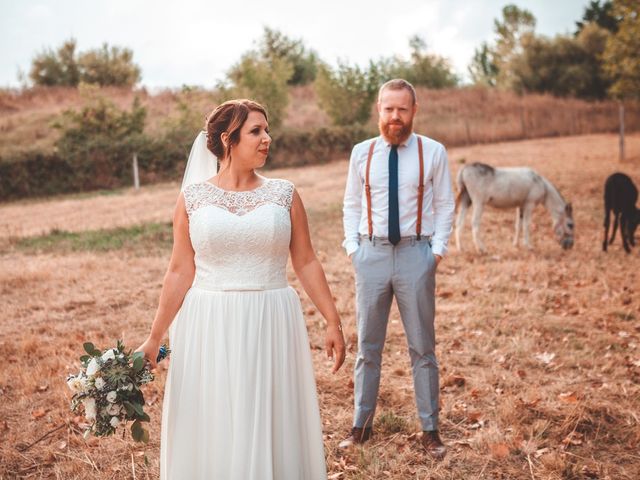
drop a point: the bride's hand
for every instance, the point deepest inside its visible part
(334, 343)
(150, 348)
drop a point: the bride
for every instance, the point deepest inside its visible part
(240, 399)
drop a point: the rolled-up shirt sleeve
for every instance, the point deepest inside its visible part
(352, 209)
(443, 204)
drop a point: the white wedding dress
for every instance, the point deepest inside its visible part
(240, 400)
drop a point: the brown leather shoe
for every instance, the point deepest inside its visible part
(358, 436)
(433, 445)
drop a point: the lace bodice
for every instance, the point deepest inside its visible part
(240, 239)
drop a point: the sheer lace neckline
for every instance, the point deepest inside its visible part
(262, 185)
(271, 191)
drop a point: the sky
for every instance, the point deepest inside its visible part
(194, 42)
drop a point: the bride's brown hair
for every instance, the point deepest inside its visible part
(229, 117)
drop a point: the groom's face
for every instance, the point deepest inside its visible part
(396, 111)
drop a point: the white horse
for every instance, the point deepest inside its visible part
(520, 188)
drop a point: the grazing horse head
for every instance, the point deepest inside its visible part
(564, 227)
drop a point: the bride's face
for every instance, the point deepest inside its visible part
(253, 147)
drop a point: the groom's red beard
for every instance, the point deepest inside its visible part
(395, 136)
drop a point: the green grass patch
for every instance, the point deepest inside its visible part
(147, 236)
(389, 423)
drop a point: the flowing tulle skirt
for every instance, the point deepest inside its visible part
(240, 399)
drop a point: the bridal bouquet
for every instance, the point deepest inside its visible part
(108, 388)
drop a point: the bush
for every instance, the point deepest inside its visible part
(106, 66)
(34, 174)
(31, 174)
(59, 68)
(300, 147)
(348, 93)
(109, 66)
(37, 174)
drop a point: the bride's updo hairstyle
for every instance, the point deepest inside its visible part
(229, 117)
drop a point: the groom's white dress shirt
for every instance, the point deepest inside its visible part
(438, 203)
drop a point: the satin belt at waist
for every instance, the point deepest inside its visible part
(244, 287)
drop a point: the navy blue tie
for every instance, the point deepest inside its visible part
(394, 211)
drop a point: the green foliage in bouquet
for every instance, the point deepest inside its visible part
(108, 389)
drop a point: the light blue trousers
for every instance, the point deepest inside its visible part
(406, 270)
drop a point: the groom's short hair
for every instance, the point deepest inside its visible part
(398, 84)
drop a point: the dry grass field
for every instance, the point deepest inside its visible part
(539, 350)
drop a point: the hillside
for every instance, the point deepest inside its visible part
(453, 116)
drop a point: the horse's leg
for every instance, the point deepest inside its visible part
(460, 223)
(527, 210)
(518, 217)
(616, 217)
(624, 232)
(475, 226)
(607, 221)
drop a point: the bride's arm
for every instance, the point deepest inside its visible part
(177, 282)
(311, 275)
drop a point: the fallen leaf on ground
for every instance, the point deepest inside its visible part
(499, 450)
(39, 413)
(568, 397)
(456, 380)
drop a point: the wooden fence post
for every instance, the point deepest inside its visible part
(136, 174)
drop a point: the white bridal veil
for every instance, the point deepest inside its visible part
(202, 164)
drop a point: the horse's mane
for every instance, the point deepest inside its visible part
(553, 188)
(483, 168)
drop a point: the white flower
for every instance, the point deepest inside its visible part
(75, 384)
(111, 396)
(89, 408)
(128, 386)
(115, 421)
(108, 355)
(93, 367)
(100, 383)
(113, 409)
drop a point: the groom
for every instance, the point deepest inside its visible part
(398, 212)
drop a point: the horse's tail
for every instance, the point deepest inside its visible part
(463, 195)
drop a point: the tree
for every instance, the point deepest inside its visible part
(347, 94)
(601, 15)
(513, 32)
(622, 57)
(264, 81)
(56, 68)
(564, 65)
(483, 69)
(423, 69)
(276, 46)
(109, 66)
(263, 74)
(494, 64)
